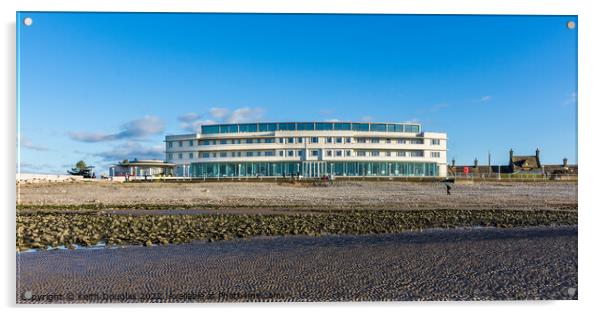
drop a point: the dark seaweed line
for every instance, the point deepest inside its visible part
(41, 230)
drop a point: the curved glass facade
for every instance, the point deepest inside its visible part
(309, 126)
(313, 169)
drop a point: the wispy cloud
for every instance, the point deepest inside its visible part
(135, 129)
(131, 150)
(437, 107)
(25, 142)
(570, 100)
(192, 122)
(483, 99)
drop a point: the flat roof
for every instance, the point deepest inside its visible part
(310, 126)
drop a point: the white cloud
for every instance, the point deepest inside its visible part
(244, 115)
(485, 98)
(135, 129)
(25, 142)
(132, 150)
(219, 113)
(193, 122)
(188, 117)
(571, 100)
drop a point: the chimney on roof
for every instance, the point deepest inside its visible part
(476, 163)
(453, 162)
(511, 155)
(537, 153)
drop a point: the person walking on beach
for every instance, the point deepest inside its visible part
(448, 187)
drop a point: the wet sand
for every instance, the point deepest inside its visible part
(453, 264)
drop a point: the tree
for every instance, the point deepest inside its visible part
(81, 165)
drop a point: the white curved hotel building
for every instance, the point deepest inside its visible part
(310, 149)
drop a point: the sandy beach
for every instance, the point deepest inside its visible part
(456, 264)
(339, 196)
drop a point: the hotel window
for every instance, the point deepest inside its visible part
(180, 156)
(223, 154)
(416, 153)
(416, 141)
(315, 153)
(247, 128)
(361, 140)
(190, 143)
(205, 155)
(169, 156)
(300, 140)
(348, 140)
(214, 142)
(435, 154)
(342, 126)
(324, 126)
(314, 140)
(329, 153)
(206, 142)
(268, 153)
(401, 141)
(291, 153)
(388, 140)
(361, 153)
(190, 155)
(291, 140)
(249, 140)
(339, 140)
(200, 154)
(249, 154)
(281, 153)
(339, 153)
(258, 153)
(388, 154)
(233, 154)
(348, 153)
(375, 153)
(223, 141)
(180, 143)
(378, 127)
(238, 154)
(267, 127)
(214, 155)
(281, 140)
(300, 153)
(374, 140)
(401, 154)
(329, 140)
(435, 142)
(169, 144)
(269, 140)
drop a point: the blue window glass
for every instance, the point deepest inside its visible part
(228, 128)
(378, 127)
(411, 128)
(342, 126)
(363, 127)
(267, 127)
(286, 126)
(398, 128)
(210, 129)
(305, 126)
(324, 126)
(248, 128)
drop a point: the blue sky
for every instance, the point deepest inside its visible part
(106, 87)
